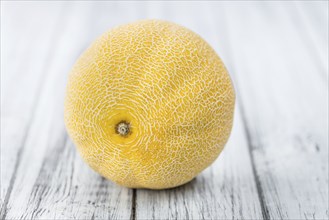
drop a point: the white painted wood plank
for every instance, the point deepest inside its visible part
(22, 72)
(314, 19)
(284, 97)
(51, 180)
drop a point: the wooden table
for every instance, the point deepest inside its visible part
(275, 165)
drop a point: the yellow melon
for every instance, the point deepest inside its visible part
(149, 105)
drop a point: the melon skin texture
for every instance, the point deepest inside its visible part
(171, 89)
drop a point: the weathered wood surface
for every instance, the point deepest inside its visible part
(275, 165)
(282, 88)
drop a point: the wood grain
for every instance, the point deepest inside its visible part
(51, 181)
(21, 84)
(275, 165)
(285, 108)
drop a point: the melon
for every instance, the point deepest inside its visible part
(149, 105)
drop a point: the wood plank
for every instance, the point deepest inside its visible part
(314, 19)
(284, 100)
(20, 80)
(52, 182)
